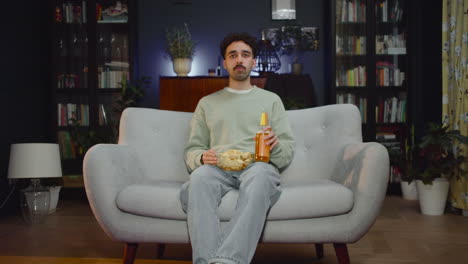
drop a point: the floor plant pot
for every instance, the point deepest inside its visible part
(433, 198)
(409, 190)
(182, 66)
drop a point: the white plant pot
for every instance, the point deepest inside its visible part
(409, 190)
(432, 198)
(182, 66)
(54, 198)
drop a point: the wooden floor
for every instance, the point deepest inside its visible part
(400, 235)
(57, 260)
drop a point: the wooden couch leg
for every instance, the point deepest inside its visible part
(341, 251)
(160, 251)
(319, 251)
(130, 253)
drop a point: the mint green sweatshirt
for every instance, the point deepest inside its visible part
(225, 120)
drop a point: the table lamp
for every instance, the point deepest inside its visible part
(34, 161)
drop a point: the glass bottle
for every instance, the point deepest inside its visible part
(262, 150)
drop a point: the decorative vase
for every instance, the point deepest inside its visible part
(433, 198)
(296, 68)
(409, 190)
(182, 66)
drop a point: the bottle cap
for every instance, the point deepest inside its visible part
(264, 119)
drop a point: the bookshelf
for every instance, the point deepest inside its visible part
(370, 68)
(91, 58)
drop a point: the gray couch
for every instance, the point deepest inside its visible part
(332, 190)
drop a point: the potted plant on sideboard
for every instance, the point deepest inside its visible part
(439, 160)
(180, 48)
(293, 39)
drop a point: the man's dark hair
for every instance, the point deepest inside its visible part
(245, 37)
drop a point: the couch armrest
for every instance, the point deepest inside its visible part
(107, 169)
(365, 170)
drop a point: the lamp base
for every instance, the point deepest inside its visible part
(35, 200)
(54, 198)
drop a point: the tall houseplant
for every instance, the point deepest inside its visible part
(180, 48)
(439, 160)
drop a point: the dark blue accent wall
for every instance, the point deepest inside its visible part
(210, 21)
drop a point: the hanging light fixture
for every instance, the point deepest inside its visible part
(268, 61)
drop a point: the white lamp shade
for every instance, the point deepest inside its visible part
(34, 160)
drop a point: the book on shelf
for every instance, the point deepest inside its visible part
(387, 74)
(113, 19)
(113, 75)
(71, 12)
(394, 44)
(355, 76)
(122, 64)
(389, 11)
(350, 45)
(351, 11)
(105, 116)
(393, 110)
(357, 100)
(69, 112)
(67, 147)
(67, 81)
(390, 110)
(381, 136)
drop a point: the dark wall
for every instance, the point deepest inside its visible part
(210, 21)
(24, 94)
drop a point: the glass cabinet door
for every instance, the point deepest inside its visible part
(91, 65)
(70, 74)
(350, 54)
(391, 83)
(112, 57)
(391, 61)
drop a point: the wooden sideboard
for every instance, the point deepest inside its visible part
(183, 93)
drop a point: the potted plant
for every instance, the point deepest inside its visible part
(439, 160)
(130, 95)
(293, 39)
(180, 48)
(407, 166)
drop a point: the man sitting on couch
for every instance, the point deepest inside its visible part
(228, 120)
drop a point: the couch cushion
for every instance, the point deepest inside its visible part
(317, 199)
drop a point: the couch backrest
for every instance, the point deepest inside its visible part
(320, 134)
(159, 137)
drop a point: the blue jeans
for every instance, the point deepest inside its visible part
(235, 243)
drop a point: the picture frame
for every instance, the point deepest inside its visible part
(283, 9)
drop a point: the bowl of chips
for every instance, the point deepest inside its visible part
(234, 160)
